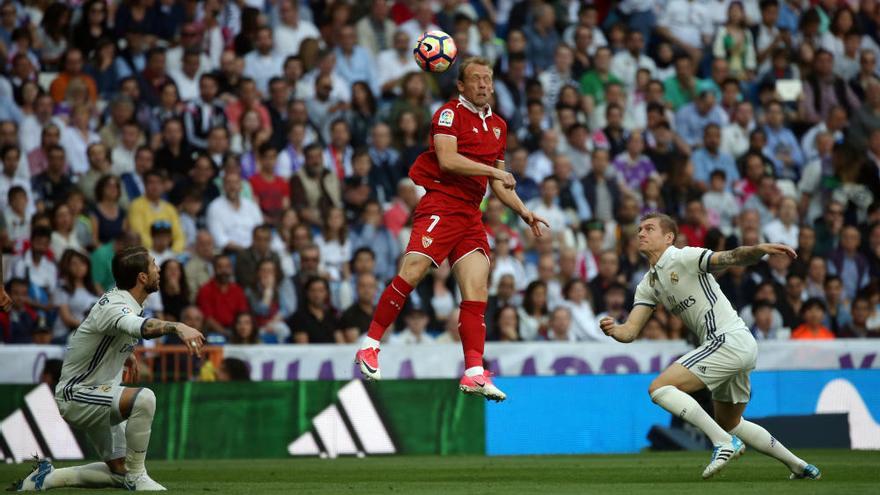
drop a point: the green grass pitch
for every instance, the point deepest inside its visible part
(844, 472)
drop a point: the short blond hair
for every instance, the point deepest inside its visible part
(472, 61)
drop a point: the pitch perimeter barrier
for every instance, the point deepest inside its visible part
(23, 363)
(584, 414)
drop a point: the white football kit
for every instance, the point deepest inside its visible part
(89, 390)
(681, 282)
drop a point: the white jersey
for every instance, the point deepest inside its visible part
(681, 282)
(98, 348)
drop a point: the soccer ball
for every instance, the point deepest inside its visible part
(435, 51)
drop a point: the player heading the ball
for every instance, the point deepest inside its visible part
(465, 154)
(681, 280)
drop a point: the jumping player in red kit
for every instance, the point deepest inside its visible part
(465, 155)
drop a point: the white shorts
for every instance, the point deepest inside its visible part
(95, 412)
(723, 364)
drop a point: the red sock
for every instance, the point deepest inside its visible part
(472, 327)
(389, 307)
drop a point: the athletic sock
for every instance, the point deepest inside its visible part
(94, 475)
(684, 406)
(761, 440)
(389, 307)
(474, 371)
(472, 327)
(137, 432)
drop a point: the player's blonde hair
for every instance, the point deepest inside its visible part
(472, 61)
(667, 224)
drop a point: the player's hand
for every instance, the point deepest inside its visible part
(506, 179)
(535, 222)
(607, 325)
(5, 300)
(192, 338)
(132, 370)
(772, 249)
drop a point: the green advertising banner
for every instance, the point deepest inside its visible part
(309, 418)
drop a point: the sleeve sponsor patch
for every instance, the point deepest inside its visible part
(446, 117)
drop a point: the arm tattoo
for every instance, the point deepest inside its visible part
(741, 256)
(153, 328)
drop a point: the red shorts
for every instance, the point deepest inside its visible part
(445, 227)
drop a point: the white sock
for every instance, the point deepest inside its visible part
(684, 406)
(761, 440)
(474, 371)
(137, 432)
(94, 475)
(369, 342)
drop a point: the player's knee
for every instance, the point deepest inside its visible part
(145, 403)
(656, 388)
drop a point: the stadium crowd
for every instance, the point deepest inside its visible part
(260, 149)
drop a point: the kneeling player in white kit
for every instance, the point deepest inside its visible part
(679, 280)
(116, 419)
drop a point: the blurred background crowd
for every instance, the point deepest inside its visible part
(260, 150)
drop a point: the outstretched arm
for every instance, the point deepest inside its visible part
(748, 255)
(512, 200)
(192, 338)
(627, 332)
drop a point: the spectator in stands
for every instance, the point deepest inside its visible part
(204, 112)
(824, 90)
(632, 167)
(764, 327)
(848, 263)
(38, 158)
(594, 82)
(231, 218)
(315, 320)
(73, 71)
(75, 294)
(812, 312)
(244, 331)
(735, 135)
(233, 370)
(609, 276)
(372, 233)
(99, 166)
(416, 329)
(560, 325)
(37, 267)
(692, 119)
(583, 319)
(355, 320)
(614, 300)
(175, 156)
(149, 208)
(858, 327)
(21, 321)
(784, 228)
(247, 260)
(272, 300)
(174, 289)
(221, 298)
(838, 315)
(199, 266)
(547, 205)
(271, 191)
(710, 158)
(720, 204)
(314, 189)
(506, 323)
(782, 147)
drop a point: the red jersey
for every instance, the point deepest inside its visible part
(482, 137)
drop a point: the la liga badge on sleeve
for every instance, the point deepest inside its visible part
(497, 132)
(446, 117)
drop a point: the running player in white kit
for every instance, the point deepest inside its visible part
(116, 419)
(680, 280)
